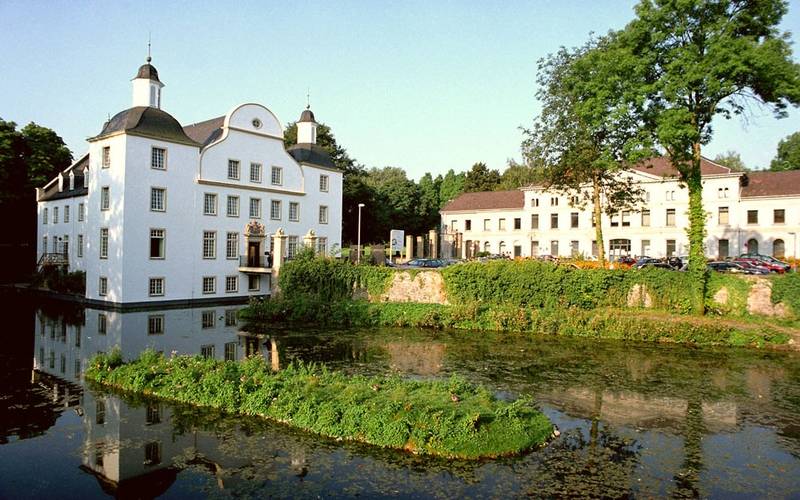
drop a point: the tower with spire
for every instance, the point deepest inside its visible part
(146, 85)
(307, 127)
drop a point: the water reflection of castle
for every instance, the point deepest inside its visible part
(128, 447)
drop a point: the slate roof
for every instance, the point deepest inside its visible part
(205, 132)
(149, 72)
(312, 154)
(486, 200)
(149, 122)
(771, 184)
(662, 167)
(52, 193)
(307, 116)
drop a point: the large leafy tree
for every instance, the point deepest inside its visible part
(586, 133)
(517, 175)
(451, 187)
(481, 178)
(788, 157)
(29, 158)
(699, 59)
(732, 160)
(428, 209)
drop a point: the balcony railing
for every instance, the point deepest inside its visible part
(254, 261)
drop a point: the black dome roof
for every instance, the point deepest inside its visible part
(147, 121)
(312, 154)
(148, 71)
(307, 116)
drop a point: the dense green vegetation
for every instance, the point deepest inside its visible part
(59, 280)
(450, 418)
(606, 322)
(786, 289)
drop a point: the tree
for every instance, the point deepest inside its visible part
(480, 178)
(698, 59)
(397, 200)
(788, 157)
(586, 133)
(428, 210)
(48, 154)
(451, 187)
(517, 175)
(732, 160)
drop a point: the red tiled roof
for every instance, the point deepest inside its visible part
(486, 200)
(662, 167)
(772, 184)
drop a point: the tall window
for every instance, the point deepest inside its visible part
(626, 218)
(158, 158)
(291, 247)
(44, 244)
(55, 215)
(553, 201)
(208, 319)
(275, 210)
(501, 224)
(231, 284)
(81, 212)
(230, 317)
(157, 243)
(106, 157)
(468, 225)
(44, 216)
(253, 283)
(778, 249)
(323, 214)
(80, 245)
(233, 169)
(574, 248)
(322, 245)
(209, 244)
(209, 204)
(66, 214)
(102, 287)
(230, 351)
(158, 199)
(487, 225)
(209, 284)
(670, 248)
(155, 324)
(535, 221)
(323, 183)
(778, 216)
(517, 223)
(255, 172)
(534, 202)
(156, 287)
(553, 221)
(102, 324)
(671, 217)
(645, 218)
(554, 248)
(233, 206)
(255, 208)
(104, 243)
(277, 176)
(105, 198)
(573, 220)
(752, 216)
(294, 211)
(723, 250)
(723, 216)
(232, 246)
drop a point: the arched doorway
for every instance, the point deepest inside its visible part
(502, 248)
(486, 247)
(752, 246)
(778, 249)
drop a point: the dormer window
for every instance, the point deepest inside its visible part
(71, 181)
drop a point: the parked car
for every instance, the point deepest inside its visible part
(650, 262)
(727, 267)
(750, 268)
(767, 259)
(431, 263)
(773, 268)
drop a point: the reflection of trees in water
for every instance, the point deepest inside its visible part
(599, 466)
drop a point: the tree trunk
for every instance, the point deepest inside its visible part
(597, 217)
(697, 221)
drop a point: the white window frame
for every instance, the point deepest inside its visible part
(279, 171)
(81, 212)
(212, 254)
(163, 243)
(156, 286)
(55, 215)
(235, 206)
(105, 198)
(210, 315)
(257, 279)
(106, 157)
(45, 215)
(296, 206)
(234, 169)
(153, 162)
(323, 214)
(102, 286)
(66, 214)
(153, 190)
(256, 168)
(104, 243)
(158, 321)
(255, 203)
(206, 197)
(272, 205)
(232, 279)
(209, 280)
(324, 183)
(232, 246)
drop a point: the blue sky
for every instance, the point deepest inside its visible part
(425, 86)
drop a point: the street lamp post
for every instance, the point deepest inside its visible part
(358, 255)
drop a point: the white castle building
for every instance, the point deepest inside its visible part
(748, 212)
(156, 211)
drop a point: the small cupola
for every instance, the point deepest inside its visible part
(147, 87)
(307, 127)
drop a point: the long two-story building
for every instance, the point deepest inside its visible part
(156, 211)
(748, 212)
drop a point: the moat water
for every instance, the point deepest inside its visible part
(636, 420)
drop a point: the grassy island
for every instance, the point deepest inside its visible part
(450, 418)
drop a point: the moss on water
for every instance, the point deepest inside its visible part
(450, 418)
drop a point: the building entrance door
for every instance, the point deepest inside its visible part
(253, 253)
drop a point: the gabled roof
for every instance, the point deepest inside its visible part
(146, 121)
(771, 184)
(486, 200)
(311, 154)
(661, 166)
(205, 132)
(51, 188)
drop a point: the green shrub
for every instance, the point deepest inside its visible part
(310, 276)
(57, 279)
(786, 289)
(450, 418)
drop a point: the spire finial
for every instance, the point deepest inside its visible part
(308, 99)
(148, 48)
